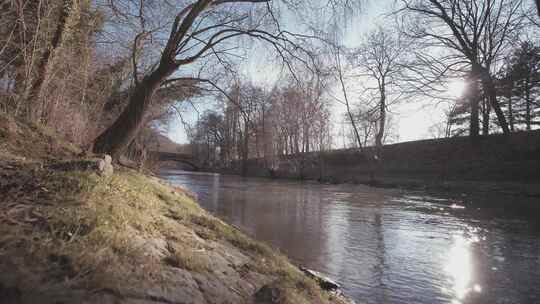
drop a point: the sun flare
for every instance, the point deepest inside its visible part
(456, 88)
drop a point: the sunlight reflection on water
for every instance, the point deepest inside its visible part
(387, 246)
(459, 266)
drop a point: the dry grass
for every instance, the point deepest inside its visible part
(80, 230)
(187, 258)
(97, 233)
(91, 223)
(32, 141)
(214, 228)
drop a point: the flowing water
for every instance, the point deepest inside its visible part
(388, 246)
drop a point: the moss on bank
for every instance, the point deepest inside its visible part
(76, 237)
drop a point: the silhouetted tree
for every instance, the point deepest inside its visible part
(469, 35)
(522, 80)
(381, 64)
(201, 30)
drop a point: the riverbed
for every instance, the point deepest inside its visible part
(388, 245)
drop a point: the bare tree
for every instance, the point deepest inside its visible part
(467, 34)
(202, 31)
(345, 92)
(49, 65)
(380, 63)
(45, 63)
(290, 119)
(371, 158)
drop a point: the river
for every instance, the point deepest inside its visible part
(384, 245)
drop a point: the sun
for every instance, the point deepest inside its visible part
(456, 88)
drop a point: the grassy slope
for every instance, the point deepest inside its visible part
(74, 236)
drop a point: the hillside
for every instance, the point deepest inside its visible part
(70, 234)
(162, 143)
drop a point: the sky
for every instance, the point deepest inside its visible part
(412, 119)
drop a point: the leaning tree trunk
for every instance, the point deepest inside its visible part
(473, 94)
(115, 139)
(44, 65)
(489, 88)
(485, 116)
(382, 123)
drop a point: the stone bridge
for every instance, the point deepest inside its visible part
(184, 158)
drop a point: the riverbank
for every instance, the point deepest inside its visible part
(72, 231)
(495, 163)
(388, 245)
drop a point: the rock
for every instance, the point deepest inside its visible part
(268, 294)
(105, 166)
(325, 282)
(10, 295)
(102, 165)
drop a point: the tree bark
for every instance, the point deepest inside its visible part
(527, 104)
(115, 139)
(490, 90)
(485, 116)
(245, 150)
(44, 65)
(382, 121)
(474, 125)
(510, 110)
(306, 140)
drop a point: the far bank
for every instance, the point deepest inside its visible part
(506, 164)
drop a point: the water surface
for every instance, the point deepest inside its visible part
(388, 246)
